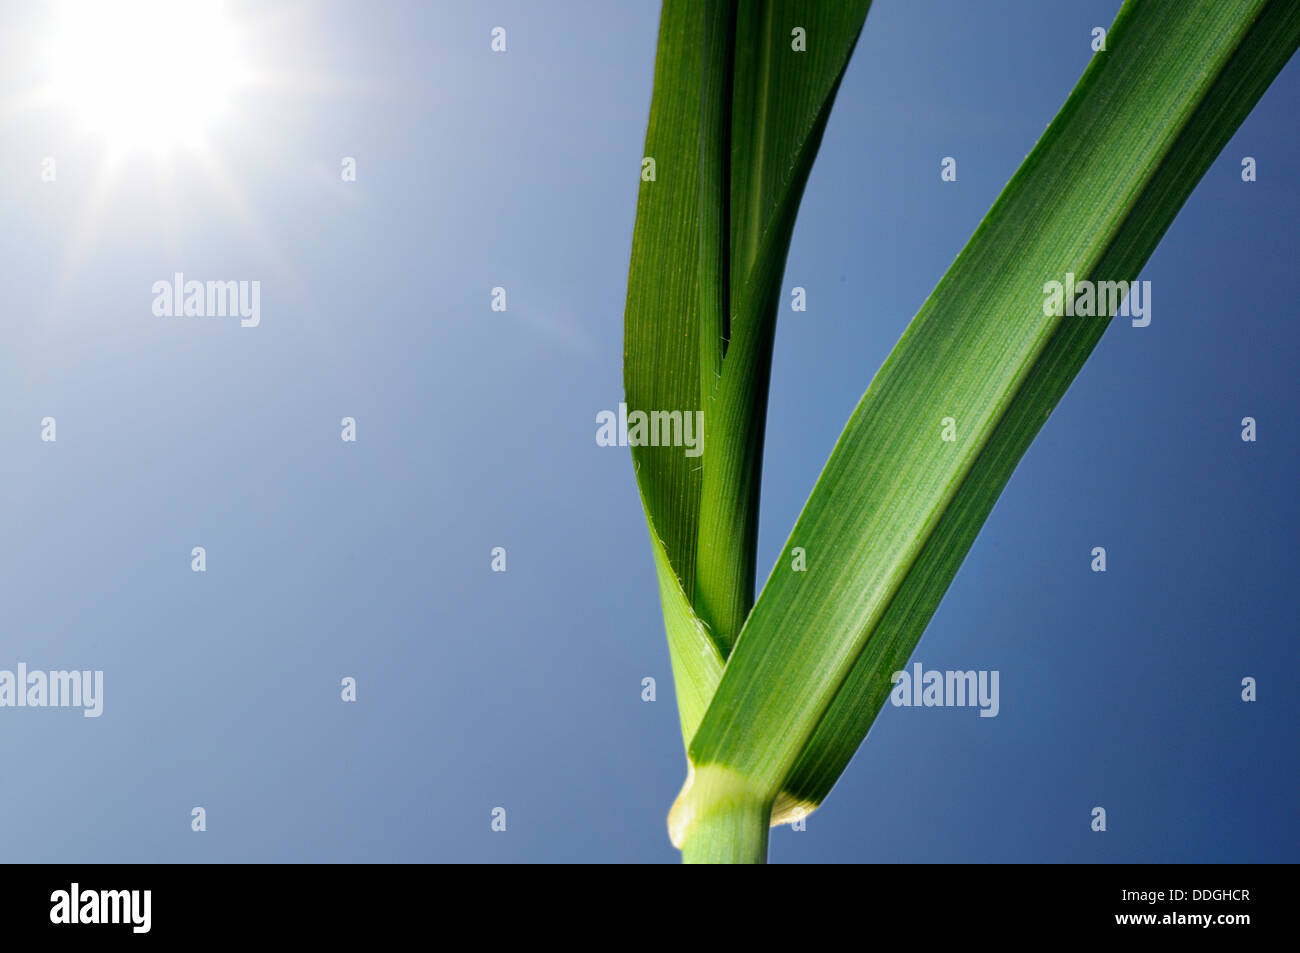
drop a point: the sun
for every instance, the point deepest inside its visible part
(146, 74)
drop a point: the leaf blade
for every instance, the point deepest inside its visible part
(661, 351)
(680, 317)
(783, 91)
(1181, 78)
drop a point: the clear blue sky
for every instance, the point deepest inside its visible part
(476, 429)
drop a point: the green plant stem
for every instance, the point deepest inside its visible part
(728, 822)
(733, 832)
(729, 837)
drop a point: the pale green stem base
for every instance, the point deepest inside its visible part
(729, 837)
(719, 819)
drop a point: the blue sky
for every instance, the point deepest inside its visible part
(475, 429)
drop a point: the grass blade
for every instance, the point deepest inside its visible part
(741, 96)
(661, 333)
(789, 58)
(897, 507)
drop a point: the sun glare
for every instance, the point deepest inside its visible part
(146, 74)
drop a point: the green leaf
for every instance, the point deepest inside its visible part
(896, 507)
(789, 58)
(735, 122)
(661, 333)
(697, 666)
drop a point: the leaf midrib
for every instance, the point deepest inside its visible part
(760, 144)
